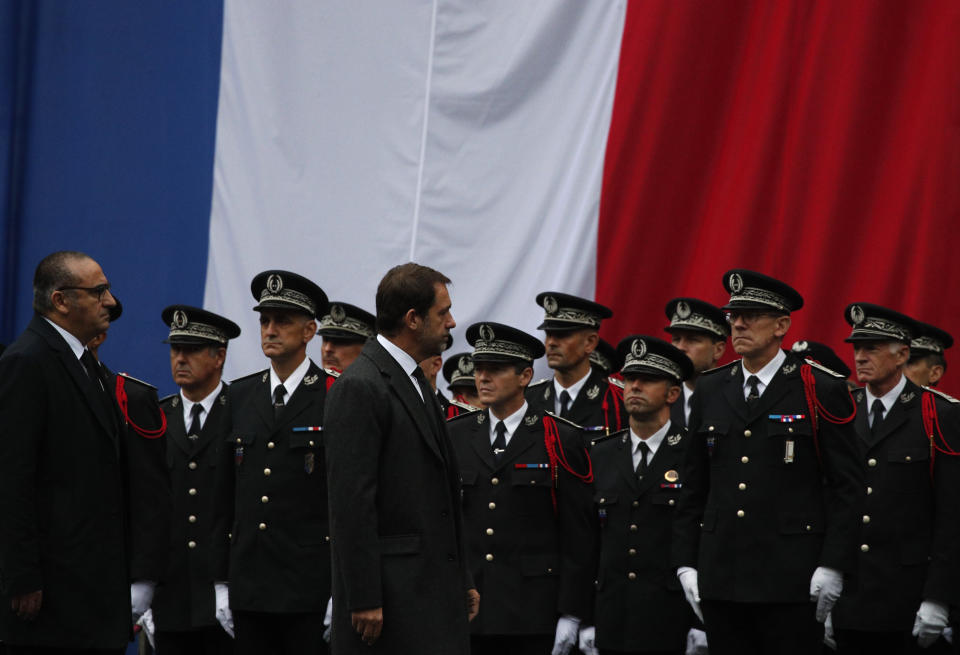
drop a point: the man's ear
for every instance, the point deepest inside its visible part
(673, 393)
(783, 324)
(936, 372)
(60, 302)
(412, 319)
(591, 342)
(309, 330)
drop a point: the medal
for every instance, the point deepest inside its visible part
(788, 452)
(671, 476)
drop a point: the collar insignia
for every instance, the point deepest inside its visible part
(265, 376)
(673, 440)
(223, 399)
(481, 417)
(789, 368)
(546, 393)
(310, 379)
(907, 397)
(530, 421)
(593, 392)
(175, 402)
(859, 397)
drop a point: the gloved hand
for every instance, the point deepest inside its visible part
(826, 585)
(568, 627)
(930, 622)
(149, 629)
(691, 590)
(948, 635)
(141, 595)
(222, 602)
(588, 645)
(828, 637)
(697, 642)
(328, 620)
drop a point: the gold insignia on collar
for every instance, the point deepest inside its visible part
(531, 420)
(266, 374)
(310, 379)
(671, 476)
(546, 393)
(733, 371)
(175, 402)
(859, 397)
(223, 399)
(907, 397)
(789, 368)
(593, 392)
(481, 417)
(673, 440)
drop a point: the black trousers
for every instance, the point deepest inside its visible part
(856, 642)
(511, 644)
(209, 640)
(263, 633)
(762, 628)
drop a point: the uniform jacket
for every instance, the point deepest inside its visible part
(395, 513)
(62, 498)
(678, 418)
(587, 409)
(184, 599)
(530, 563)
(760, 511)
(271, 537)
(639, 602)
(907, 548)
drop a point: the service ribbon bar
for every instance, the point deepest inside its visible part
(531, 466)
(787, 418)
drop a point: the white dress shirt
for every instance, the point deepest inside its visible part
(653, 442)
(687, 396)
(403, 359)
(206, 404)
(887, 399)
(292, 381)
(512, 422)
(71, 340)
(765, 374)
(573, 390)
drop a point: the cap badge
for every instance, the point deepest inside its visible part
(799, 346)
(593, 392)
(857, 315)
(179, 319)
(907, 397)
(638, 348)
(486, 332)
(673, 440)
(550, 305)
(465, 366)
(530, 421)
(274, 283)
(337, 313)
(671, 475)
(736, 283)
(683, 310)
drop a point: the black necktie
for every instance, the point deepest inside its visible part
(754, 395)
(195, 427)
(564, 403)
(421, 379)
(278, 395)
(877, 412)
(92, 369)
(500, 441)
(642, 466)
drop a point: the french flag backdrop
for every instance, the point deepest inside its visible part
(629, 151)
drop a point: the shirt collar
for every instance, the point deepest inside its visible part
(888, 398)
(512, 422)
(573, 389)
(653, 441)
(206, 403)
(71, 340)
(766, 373)
(292, 381)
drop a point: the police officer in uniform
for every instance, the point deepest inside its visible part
(639, 605)
(458, 372)
(822, 354)
(768, 517)
(910, 528)
(271, 540)
(344, 328)
(527, 497)
(928, 362)
(576, 391)
(700, 330)
(183, 608)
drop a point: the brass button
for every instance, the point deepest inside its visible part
(633, 528)
(192, 518)
(710, 429)
(192, 491)
(533, 481)
(489, 532)
(489, 557)
(603, 500)
(745, 459)
(740, 513)
(789, 429)
(671, 502)
(632, 551)
(632, 575)
(866, 518)
(636, 503)
(865, 548)
(871, 462)
(191, 544)
(907, 458)
(327, 539)
(264, 499)
(809, 528)
(742, 486)
(869, 490)
(263, 526)
(239, 440)
(271, 445)
(267, 471)
(748, 433)
(492, 506)
(494, 481)
(311, 443)
(192, 466)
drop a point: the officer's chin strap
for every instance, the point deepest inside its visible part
(817, 409)
(551, 440)
(931, 426)
(122, 402)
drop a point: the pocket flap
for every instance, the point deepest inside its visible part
(777, 428)
(709, 427)
(305, 439)
(530, 478)
(400, 544)
(666, 497)
(605, 499)
(468, 478)
(800, 524)
(241, 439)
(534, 565)
(909, 455)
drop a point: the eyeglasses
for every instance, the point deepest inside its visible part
(747, 316)
(97, 291)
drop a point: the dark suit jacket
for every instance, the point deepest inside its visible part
(395, 512)
(184, 598)
(639, 602)
(62, 502)
(536, 565)
(678, 418)
(913, 531)
(587, 410)
(753, 520)
(271, 537)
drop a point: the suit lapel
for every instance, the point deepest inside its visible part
(860, 423)
(677, 416)
(176, 430)
(91, 395)
(588, 394)
(625, 466)
(778, 387)
(303, 396)
(262, 399)
(211, 427)
(733, 391)
(905, 403)
(480, 440)
(524, 437)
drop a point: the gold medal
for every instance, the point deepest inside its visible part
(671, 476)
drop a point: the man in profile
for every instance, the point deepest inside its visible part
(400, 577)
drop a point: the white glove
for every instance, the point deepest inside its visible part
(327, 620)
(948, 635)
(223, 614)
(826, 585)
(588, 644)
(930, 622)
(696, 642)
(828, 637)
(149, 629)
(568, 627)
(141, 595)
(691, 590)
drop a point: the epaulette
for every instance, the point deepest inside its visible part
(828, 371)
(725, 367)
(170, 398)
(133, 379)
(948, 398)
(250, 375)
(538, 382)
(472, 412)
(615, 382)
(469, 408)
(608, 437)
(564, 420)
(332, 372)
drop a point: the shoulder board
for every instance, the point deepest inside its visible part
(615, 382)
(725, 367)
(828, 371)
(251, 375)
(564, 420)
(332, 372)
(133, 379)
(607, 437)
(538, 383)
(168, 398)
(948, 398)
(473, 411)
(469, 408)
